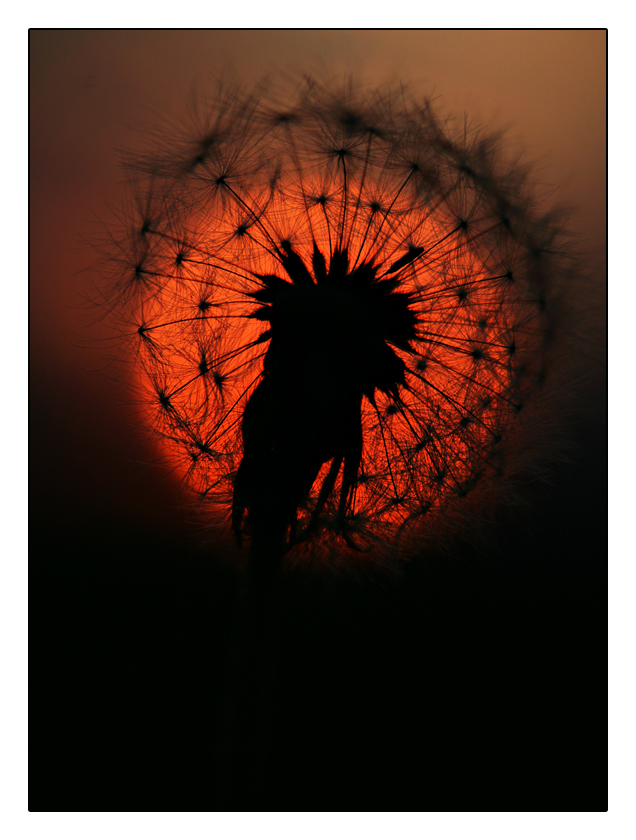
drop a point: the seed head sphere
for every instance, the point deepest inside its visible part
(339, 312)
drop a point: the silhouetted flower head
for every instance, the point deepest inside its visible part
(339, 312)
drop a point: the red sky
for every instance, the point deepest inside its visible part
(93, 92)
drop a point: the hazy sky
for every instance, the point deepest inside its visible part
(93, 92)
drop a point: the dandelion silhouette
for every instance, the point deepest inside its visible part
(338, 312)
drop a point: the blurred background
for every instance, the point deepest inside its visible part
(475, 681)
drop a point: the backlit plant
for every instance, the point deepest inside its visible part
(338, 311)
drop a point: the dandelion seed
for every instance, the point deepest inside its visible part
(340, 311)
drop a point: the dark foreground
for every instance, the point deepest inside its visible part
(472, 683)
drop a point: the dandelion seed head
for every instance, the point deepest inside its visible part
(341, 309)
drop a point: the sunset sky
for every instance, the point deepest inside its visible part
(94, 93)
(95, 492)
